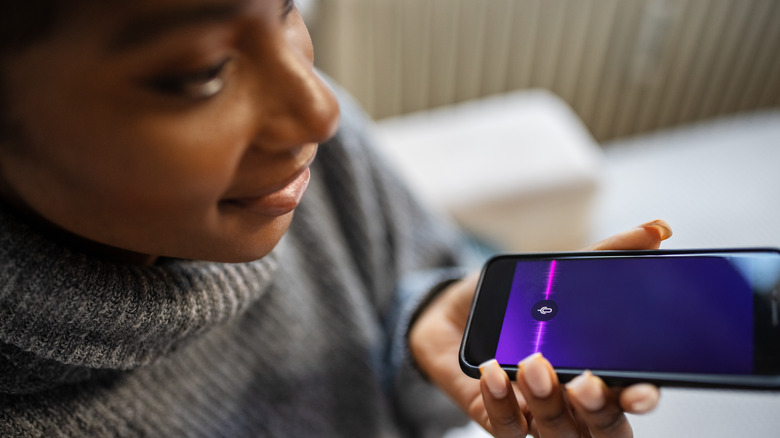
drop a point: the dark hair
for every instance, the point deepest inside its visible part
(22, 22)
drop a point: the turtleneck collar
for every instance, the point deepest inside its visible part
(63, 313)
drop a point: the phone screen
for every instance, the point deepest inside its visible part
(705, 313)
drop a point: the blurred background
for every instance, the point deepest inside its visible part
(625, 67)
(548, 124)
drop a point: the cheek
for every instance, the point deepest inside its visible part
(196, 151)
(193, 160)
(117, 168)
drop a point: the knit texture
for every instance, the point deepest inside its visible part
(299, 343)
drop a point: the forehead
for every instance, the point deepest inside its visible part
(123, 22)
(145, 22)
(139, 9)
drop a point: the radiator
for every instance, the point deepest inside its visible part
(624, 66)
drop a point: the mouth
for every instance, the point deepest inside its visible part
(277, 201)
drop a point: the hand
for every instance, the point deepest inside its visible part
(537, 403)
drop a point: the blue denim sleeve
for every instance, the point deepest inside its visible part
(415, 292)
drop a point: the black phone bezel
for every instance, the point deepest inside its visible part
(491, 296)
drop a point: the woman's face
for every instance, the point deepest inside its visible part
(179, 128)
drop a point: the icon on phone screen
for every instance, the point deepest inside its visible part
(544, 310)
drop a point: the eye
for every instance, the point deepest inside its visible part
(287, 7)
(199, 84)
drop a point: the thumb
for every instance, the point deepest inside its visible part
(646, 236)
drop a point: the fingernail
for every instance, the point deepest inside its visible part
(536, 373)
(644, 399)
(495, 378)
(588, 391)
(664, 230)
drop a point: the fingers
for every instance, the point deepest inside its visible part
(597, 407)
(597, 411)
(639, 399)
(586, 407)
(539, 384)
(505, 414)
(646, 236)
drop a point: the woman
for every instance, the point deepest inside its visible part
(154, 281)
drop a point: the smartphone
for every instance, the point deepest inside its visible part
(703, 318)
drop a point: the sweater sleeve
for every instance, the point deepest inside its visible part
(421, 406)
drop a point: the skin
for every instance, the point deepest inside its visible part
(185, 128)
(135, 146)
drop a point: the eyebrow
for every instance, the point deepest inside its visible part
(145, 28)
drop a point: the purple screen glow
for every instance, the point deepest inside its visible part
(692, 314)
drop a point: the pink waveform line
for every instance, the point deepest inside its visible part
(540, 326)
(550, 280)
(540, 329)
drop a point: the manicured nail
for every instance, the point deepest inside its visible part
(587, 389)
(536, 373)
(644, 398)
(663, 228)
(495, 378)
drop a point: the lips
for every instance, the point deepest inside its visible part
(277, 201)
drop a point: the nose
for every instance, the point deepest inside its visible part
(297, 106)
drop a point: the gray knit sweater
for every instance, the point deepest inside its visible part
(303, 342)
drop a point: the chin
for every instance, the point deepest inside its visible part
(248, 246)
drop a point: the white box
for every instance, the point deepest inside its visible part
(519, 170)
